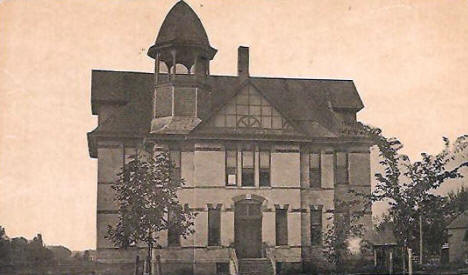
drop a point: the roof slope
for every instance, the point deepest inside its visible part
(461, 221)
(307, 102)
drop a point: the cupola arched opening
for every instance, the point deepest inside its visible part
(179, 69)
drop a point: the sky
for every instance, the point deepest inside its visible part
(409, 61)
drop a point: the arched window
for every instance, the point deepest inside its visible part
(180, 69)
(163, 67)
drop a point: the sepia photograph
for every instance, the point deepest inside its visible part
(233, 137)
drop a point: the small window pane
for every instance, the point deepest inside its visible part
(266, 122)
(231, 109)
(231, 179)
(341, 160)
(219, 121)
(231, 158)
(264, 159)
(231, 121)
(255, 110)
(266, 110)
(243, 99)
(316, 217)
(315, 178)
(242, 110)
(264, 177)
(247, 159)
(255, 99)
(248, 177)
(341, 175)
(276, 123)
(314, 160)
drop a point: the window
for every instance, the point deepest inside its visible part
(231, 167)
(173, 236)
(250, 110)
(264, 168)
(342, 218)
(214, 227)
(315, 175)
(248, 168)
(281, 227)
(316, 225)
(341, 168)
(176, 161)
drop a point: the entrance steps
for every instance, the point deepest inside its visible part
(255, 266)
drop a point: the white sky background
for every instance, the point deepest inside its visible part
(409, 61)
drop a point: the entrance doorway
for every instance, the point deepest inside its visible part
(248, 229)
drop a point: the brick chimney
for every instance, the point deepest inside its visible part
(243, 63)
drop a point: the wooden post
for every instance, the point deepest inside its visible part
(390, 263)
(158, 270)
(174, 63)
(156, 69)
(420, 240)
(403, 257)
(137, 265)
(375, 257)
(410, 262)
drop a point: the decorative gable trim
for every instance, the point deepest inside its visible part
(251, 113)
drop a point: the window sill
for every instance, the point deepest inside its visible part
(213, 247)
(240, 187)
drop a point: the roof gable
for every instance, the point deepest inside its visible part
(249, 111)
(307, 105)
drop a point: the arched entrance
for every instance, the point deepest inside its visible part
(248, 228)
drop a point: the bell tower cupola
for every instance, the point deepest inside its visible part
(182, 55)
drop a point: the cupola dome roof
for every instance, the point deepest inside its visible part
(182, 25)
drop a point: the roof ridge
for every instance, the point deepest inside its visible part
(232, 76)
(300, 78)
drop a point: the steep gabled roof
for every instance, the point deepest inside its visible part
(309, 103)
